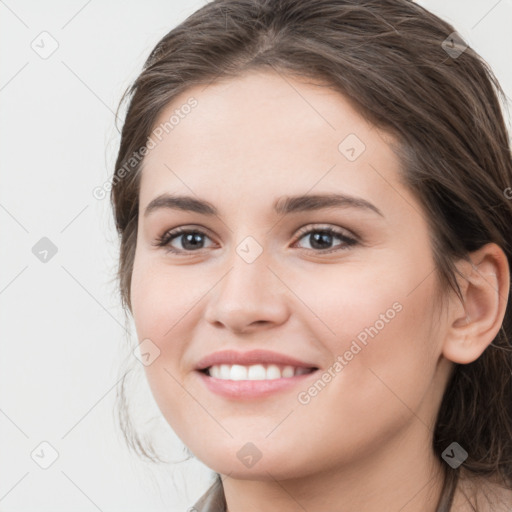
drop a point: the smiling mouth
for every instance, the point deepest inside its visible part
(237, 372)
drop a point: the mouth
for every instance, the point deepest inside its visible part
(252, 381)
(254, 374)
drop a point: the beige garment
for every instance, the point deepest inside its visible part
(212, 500)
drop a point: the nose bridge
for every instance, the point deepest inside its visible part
(248, 265)
(248, 292)
(248, 279)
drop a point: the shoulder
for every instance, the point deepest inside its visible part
(481, 494)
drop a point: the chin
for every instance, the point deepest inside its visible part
(245, 463)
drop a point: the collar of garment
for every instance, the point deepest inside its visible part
(213, 500)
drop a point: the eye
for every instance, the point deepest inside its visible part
(190, 239)
(321, 237)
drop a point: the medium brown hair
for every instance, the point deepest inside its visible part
(390, 59)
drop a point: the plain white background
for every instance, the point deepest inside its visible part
(63, 335)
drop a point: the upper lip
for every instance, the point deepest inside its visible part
(251, 357)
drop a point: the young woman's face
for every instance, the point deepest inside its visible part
(256, 270)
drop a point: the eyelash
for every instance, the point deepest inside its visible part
(169, 236)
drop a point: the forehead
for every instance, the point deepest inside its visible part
(266, 131)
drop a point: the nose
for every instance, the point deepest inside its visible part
(249, 297)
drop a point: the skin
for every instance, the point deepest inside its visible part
(249, 141)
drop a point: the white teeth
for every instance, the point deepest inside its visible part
(273, 372)
(255, 372)
(224, 371)
(238, 372)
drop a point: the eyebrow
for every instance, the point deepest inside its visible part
(282, 206)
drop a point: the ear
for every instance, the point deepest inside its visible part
(473, 324)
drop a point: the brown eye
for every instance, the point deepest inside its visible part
(191, 240)
(321, 239)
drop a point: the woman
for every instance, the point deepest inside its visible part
(315, 236)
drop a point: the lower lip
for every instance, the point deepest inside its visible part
(245, 389)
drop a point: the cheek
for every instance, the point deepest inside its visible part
(387, 351)
(378, 305)
(166, 307)
(160, 305)
(378, 330)
(161, 297)
(382, 323)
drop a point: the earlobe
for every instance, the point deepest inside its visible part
(473, 324)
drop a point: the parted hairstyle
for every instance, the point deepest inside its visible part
(406, 71)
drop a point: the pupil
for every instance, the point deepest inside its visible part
(193, 238)
(320, 237)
